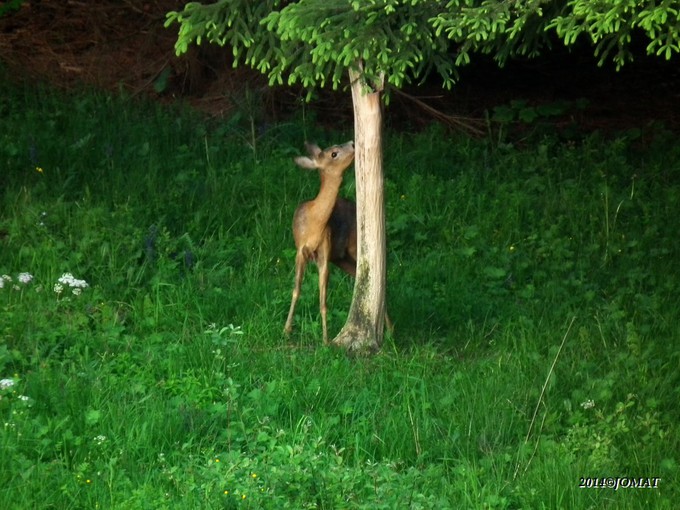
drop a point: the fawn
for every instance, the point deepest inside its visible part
(325, 229)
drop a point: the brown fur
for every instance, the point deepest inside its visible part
(325, 229)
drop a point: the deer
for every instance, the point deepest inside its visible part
(325, 228)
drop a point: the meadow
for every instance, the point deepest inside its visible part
(146, 263)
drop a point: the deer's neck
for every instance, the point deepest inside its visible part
(325, 200)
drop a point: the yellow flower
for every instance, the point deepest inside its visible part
(226, 492)
(243, 496)
(39, 169)
(254, 475)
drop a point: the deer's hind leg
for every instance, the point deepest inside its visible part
(322, 260)
(300, 264)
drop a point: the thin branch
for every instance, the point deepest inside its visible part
(466, 124)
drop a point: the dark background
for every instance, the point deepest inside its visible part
(123, 46)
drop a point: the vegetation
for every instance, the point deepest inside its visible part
(533, 288)
(395, 41)
(314, 42)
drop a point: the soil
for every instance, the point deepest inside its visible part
(122, 46)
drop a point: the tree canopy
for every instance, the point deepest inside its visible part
(314, 42)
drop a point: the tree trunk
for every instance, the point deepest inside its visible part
(364, 328)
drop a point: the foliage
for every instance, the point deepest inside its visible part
(166, 383)
(506, 29)
(314, 42)
(610, 26)
(10, 6)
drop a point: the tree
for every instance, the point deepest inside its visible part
(392, 42)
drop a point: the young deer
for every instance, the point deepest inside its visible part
(325, 229)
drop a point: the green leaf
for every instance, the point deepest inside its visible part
(92, 416)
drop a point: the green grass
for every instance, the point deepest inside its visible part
(534, 290)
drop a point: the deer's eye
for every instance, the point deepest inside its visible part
(334, 154)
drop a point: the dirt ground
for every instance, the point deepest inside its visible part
(122, 46)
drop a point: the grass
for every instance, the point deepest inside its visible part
(534, 289)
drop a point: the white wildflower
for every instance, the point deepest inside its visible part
(58, 288)
(100, 439)
(65, 278)
(69, 280)
(588, 404)
(5, 278)
(25, 278)
(6, 383)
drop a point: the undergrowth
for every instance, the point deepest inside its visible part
(147, 260)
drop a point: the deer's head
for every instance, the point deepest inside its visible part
(331, 161)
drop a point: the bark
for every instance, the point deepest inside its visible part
(363, 331)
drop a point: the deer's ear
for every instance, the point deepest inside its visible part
(305, 162)
(312, 149)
